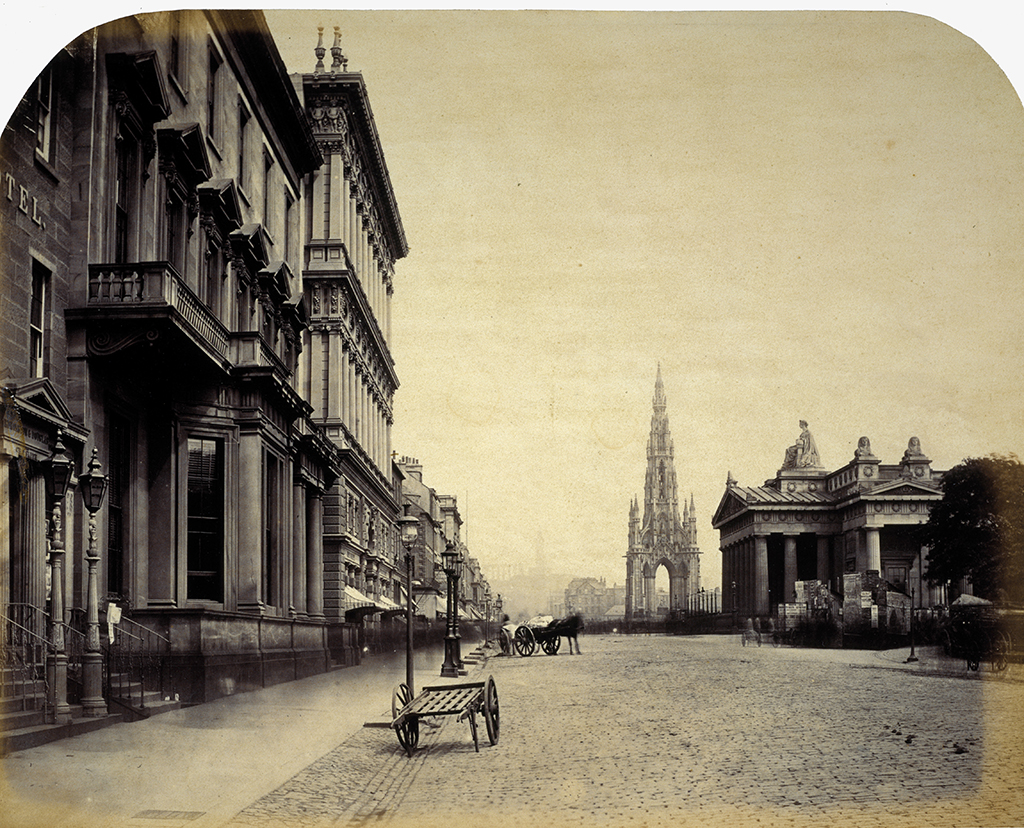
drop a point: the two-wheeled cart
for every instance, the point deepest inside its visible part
(463, 700)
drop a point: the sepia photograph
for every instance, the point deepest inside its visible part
(494, 416)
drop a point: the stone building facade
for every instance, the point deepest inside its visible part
(660, 537)
(185, 287)
(809, 530)
(355, 237)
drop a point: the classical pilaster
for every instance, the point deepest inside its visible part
(250, 541)
(36, 543)
(336, 206)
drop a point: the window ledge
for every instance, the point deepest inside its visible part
(176, 85)
(214, 148)
(46, 166)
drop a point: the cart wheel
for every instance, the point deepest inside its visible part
(399, 699)
(525, 642)
(775, 639)
(492, 716)
(408, 731)
(551, 645)
(1000, 651)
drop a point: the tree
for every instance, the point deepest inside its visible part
(977, 529)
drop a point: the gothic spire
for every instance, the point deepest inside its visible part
(659, 394)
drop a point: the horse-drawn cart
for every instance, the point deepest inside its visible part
(979, 630)
(546, 632)
(462, 700)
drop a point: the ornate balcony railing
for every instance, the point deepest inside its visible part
(156, 284)
(250, 349)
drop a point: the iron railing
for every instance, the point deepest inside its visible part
(22, 661)
(134, 663)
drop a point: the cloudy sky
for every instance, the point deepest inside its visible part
(799, 215)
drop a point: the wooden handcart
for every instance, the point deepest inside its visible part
(462, 700)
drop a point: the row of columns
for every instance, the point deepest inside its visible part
(745, 575)
(345, 221)
(350, 399)
(298, 563)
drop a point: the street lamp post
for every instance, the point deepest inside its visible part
(450, 563)
(410, 532)
(487, 614)
(94, 487)
(61, 467)
(459, 567)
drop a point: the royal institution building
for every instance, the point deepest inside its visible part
(198, 263)
(845, 538)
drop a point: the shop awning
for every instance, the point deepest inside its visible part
(357, 605)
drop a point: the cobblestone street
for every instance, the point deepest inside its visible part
(646, 731)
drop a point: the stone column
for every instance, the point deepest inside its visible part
(314, 555)
(299, 551)
(789, 578)
(650, 593)
(762, 606)
(874, 549)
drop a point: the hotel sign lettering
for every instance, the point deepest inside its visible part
(28, 204)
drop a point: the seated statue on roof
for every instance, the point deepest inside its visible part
(804, 454)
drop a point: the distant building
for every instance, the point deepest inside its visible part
(660, 537)
(847, 530)
(440, 522)
(591, 597)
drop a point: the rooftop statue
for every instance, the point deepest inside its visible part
(804, 454)
(863, 449)
(913, 449)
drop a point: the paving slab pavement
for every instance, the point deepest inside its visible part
(201, 765)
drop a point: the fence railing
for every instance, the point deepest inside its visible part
(22, 660)
(134, 663)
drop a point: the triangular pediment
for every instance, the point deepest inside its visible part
(732, 503)
(36, 404)
(904, 487)
(40, 395)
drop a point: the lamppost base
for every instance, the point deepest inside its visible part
(450, 668)
(911, 659)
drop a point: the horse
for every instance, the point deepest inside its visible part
(570, 628)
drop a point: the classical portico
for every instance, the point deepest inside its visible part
(808, 523)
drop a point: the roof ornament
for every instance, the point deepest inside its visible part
(730, 481)
(319, 51)
(340, 61)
